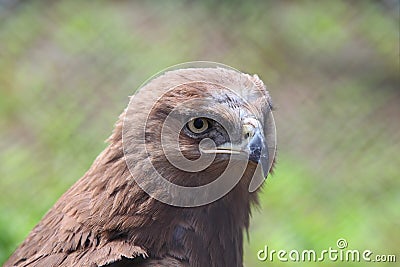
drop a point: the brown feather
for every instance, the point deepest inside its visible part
(106, 219)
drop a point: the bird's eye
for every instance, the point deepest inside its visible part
(198, 125)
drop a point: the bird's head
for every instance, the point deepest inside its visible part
(201, 132)
(201, 137)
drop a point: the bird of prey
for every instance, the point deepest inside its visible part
(120, 214)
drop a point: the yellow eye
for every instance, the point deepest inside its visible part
(198, 125)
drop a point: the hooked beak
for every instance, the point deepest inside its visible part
(253, 145)
(256, 143)
(258, 152)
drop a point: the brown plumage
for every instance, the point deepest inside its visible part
(106, 219)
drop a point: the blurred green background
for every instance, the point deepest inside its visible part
(332, 68)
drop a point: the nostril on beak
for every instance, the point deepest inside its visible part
(248, 131)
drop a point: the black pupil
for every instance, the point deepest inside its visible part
(198, 123)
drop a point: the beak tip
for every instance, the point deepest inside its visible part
(258, 153)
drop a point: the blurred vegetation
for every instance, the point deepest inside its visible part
(332, 67)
